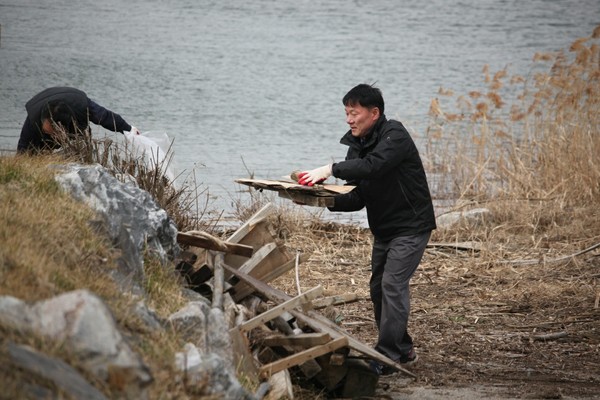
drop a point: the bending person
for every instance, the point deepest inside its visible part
(63, 108)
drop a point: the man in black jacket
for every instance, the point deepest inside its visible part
(384, 165)
(63, 108)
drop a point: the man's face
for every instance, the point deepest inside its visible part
(361, 119)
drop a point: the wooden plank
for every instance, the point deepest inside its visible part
(335, 300)
(475, 246)
(242, 289)
(261, 234)
(308, 200)
(257, 217)
(304, 340)
(257, 258)
(303, 356)
(317, 321)
(243, 359)
(280, 386)
(212, 243)
(279, 309)
(276, 185)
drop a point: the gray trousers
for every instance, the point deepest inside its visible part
(393, 263)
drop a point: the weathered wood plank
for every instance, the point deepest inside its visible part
(212, 243)
(243, 359)
(257, 258)
(335, 300)
(257, 217)
(308, 200)
(316, 190)
(262, 233)
(303, 356)
(317, 321)
(242, 289)
(279, 309)
(304, 340)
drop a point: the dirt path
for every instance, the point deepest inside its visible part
(482, 329)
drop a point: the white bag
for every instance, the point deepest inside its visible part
(153, 149)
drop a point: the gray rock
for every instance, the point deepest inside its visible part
(209, 374)
(190, 322)
(15, 314)
(133, 220)
(57, 371)
(147, 316)
(86, 326)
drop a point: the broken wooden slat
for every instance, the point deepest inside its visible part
(335, 300)
(303, 356)
(257, 258)
(308, 200)
(242, 289)
(317, 321)
(281, 386)
(316, 190)
(257, 217)
(262, 233)
(475, 246)
(207, 242)
(243, 359)
(277, 310)
(304, 340)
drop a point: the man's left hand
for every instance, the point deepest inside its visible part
(315, 176)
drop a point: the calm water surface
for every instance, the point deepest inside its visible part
(256, 86)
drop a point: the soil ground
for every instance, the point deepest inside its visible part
(482, 329)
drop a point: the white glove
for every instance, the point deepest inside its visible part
(318, 175)
(135, 130)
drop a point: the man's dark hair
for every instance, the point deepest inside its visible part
(61, 114)
(365, 95)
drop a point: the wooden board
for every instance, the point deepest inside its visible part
(207, 242)
(317, 321)
(279, 309)
(308, 200)
(290, 186)
(304, 340)
(303, 356)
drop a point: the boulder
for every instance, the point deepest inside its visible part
(131, 217)
(85, 325)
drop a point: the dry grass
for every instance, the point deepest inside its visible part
(479, 317)
(48, 248)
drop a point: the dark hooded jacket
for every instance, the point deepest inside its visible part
(83, 111)
(390, 181)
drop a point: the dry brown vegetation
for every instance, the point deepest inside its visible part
(478, 316)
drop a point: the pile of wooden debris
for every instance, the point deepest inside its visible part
(278, 333)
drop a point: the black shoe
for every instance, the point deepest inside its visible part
(380, 369)
(375, 367)
(409, 359)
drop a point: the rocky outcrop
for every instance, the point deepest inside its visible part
(83, 323)
(130, 216)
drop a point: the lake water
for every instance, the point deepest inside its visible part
(255, 87)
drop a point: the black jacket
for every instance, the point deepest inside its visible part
(84, 110)
(390, 178)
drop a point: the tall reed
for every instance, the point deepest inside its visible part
(545, 145)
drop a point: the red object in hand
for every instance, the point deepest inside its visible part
(303, 179)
